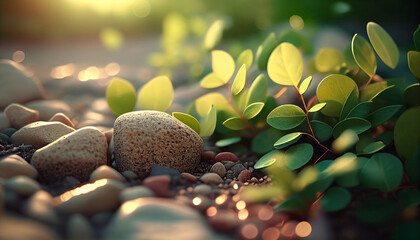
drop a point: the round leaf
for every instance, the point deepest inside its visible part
(213, 35)
(253, 110)
(188, 120)
(204, 103)
(286, 117)
(383, 44)
(335, 89)
(157, 94)
(414, 63)
(258, 90)
(383, 171)
(376, 210)
(358, 125)
(239, 81)
(269, 159)
(211, 80)
(293, 203)
(305, 84)
(411, 95)
(121, 96)
(227, 141)
(363, 54)
(298, 155)
(317, 107)
(335, 199)
(328, 60)
(361, 110)
(373, 147)
(407, 133)
(351, 101)
(246, 58)
(208, 123)
(322, 131)
(234, 123)
(383, 114)
(285, 65)
(264, 51)
(264, 141)
(287, 140)
(223, 64)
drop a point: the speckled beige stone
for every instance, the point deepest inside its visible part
(19, 115)
(14, 165)
(144, 138)
(76, 154)
(61, 117)
(39, 134)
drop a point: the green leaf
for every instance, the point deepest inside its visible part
(373, 147)
(345, 141)
(328, 60)
(411, 95)
(157, 94)
(410, 197)
(269, 159)
(258, 90)
(293, 203)
(414, 63)
(246, 58)
(305, 84)
(322, 131)
(239, 81)
(234, 123)
(373, 90)
(383, 44)
(223, 64)
(211, 80)
(317, 107)
(204, 103)
(121, 96)
(253, 110)
(286, 117)
(407, 133)
(351, 101)
(383, 171)
(213, 35)
(287, 140)
(189, 120)
(416, 37)
(363, 55)
(208, 123)
(358, 125)
(285, 65)
(227, 141)
(264, 141)
(264, 51)
(334, 90)
(298, 155)
(383, 114)
(335, 199)
(376, 210)
(345, 164)
(361, 110)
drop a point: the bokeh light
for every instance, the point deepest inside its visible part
(271, 233)
(221, 199)
(243, 214)
(303, 229)
(265, 213)
(141, 8)
(296, 22)
(288, 230)
(249, 231)
(240, 205)
(111, 38)
(18, 56)
(196, 201)
(112, 69)
(63, 71)
(211, 211)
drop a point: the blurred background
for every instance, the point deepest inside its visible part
(138, 39)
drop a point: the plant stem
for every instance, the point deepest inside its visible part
(283, 90)
(365, 86)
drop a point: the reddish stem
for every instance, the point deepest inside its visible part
(283, 90)
(248, 126)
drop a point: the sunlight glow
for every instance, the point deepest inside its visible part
(196, 201)
(82, 190)
(265, 213)
(112, 69)
(271, 233)
(18, 56)
(221, 199)
(62, 71)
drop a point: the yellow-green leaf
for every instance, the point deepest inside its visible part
(121, 96)
(188, 120)
(264, 51)
(253, 110)
(157, 94)
(305, 84)
(285, 65)
(258, 90)
(208, 123)
(234, 123)
(239, 81)
(286, 117)
(317, 107)
(328, 60)
(223, 64)
(246, 58)
(363, 55)
(204, 103)
(213, 35)
(211, 80)
(414, 63)
(383, 44)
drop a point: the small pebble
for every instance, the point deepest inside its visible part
(226, 156)
(228, 164)
(189, 177)
(237, 169)
(39, 206)
(244, 176)
(105, 171)
(61, 117)
(19, 115)
(78, 227)
(14, 165)
(135, 192)
(22, 185)
(4, 122)
(9, 131)
(130, 175)
(208, 156)
(218, 168)
(203, 189)
(160, 185)
(211, 178)
(4, 139)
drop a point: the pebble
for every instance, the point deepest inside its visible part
(160, 185)
(20, 228)
(225, 221)
(161, 170)
(9, 131)
(14, 165)
(48, 108)
(211, 178)
(91, 198)
(135, 192)
(4, 122)
(218, 168)
(19, 115)
(203, 189)
(61, 117)
(4, 139)
(189, 177)
(157, 218)
(226, 156)
(244, 176)
(22, 185)
(39, 134)
(76, 154)
(78, 227)
(237, 169)
(130, 175)
(228, 164)
(17, 86)
(208, 156)
(105, 171)
(146, 138)
(39, 206)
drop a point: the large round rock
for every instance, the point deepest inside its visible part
(146, 138)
